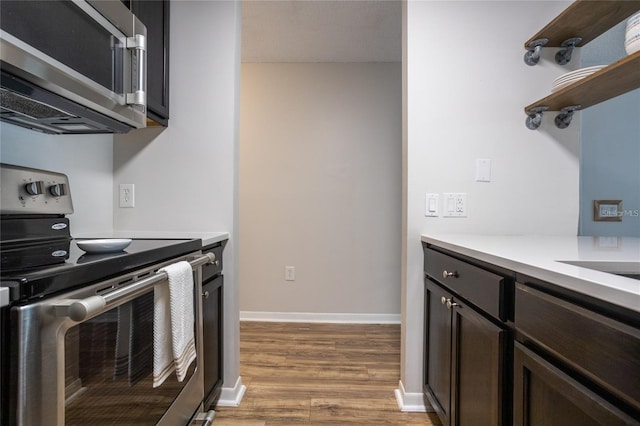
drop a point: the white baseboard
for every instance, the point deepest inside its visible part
(320, 317)
(231, 397)
(412, 402)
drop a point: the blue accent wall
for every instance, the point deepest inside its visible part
(610, 147)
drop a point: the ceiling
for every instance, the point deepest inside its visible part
(322, 31)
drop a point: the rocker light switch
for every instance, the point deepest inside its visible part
(431, 205)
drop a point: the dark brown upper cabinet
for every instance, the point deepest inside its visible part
(154, 14)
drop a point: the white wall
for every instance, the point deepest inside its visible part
(87, 160)
(320, 168)
(466, 87)
(185, 176)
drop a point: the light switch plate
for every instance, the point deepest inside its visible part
(431, 205)
(483, 170)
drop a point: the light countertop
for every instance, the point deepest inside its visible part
(4, 296)
(575, 263)
(207, 238)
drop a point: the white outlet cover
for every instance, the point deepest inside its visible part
(289, 273)
(455, 204)
(127, 195)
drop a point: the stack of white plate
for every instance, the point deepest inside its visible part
(573, 76)
(632, 36)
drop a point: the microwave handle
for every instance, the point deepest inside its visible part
(81, 309)
(138, 45)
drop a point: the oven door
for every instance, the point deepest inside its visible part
(99, 370)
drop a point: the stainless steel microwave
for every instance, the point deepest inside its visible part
(75, 66)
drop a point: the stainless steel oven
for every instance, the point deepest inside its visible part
(72, 66)
(76, 344)
(85, 357)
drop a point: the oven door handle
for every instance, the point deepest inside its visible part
(82, 309)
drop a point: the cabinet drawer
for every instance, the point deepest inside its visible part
(603, 350)
(484, 289)
(211, 269)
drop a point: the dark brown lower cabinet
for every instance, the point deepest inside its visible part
(213, 325)
(437, 350)
(502, 348)
(465, 362)
(212, 335)
(572, 365)
(546, 396)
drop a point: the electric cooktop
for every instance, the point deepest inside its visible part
(81, 268)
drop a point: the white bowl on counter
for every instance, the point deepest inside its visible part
(105, 245)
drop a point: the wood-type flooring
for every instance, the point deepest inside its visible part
(317, 374)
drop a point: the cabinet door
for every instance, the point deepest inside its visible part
(212, 336)
(478, 354)
(437, 351)
(546, 396)
(154, 14)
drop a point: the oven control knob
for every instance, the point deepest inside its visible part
(58, 190)
(34, 188)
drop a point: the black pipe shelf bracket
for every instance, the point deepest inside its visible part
(564, 55)
(534, 117)
(563, 119)
(532, 56)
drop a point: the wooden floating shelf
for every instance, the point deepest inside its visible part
(587, 19)
(614, 80)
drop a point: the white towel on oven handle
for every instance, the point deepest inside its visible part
(173, 324)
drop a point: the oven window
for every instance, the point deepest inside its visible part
(109, 369)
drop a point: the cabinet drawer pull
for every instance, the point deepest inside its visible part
(446, 274)
(448, 302)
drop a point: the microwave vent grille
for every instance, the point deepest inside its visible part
(13, 102)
